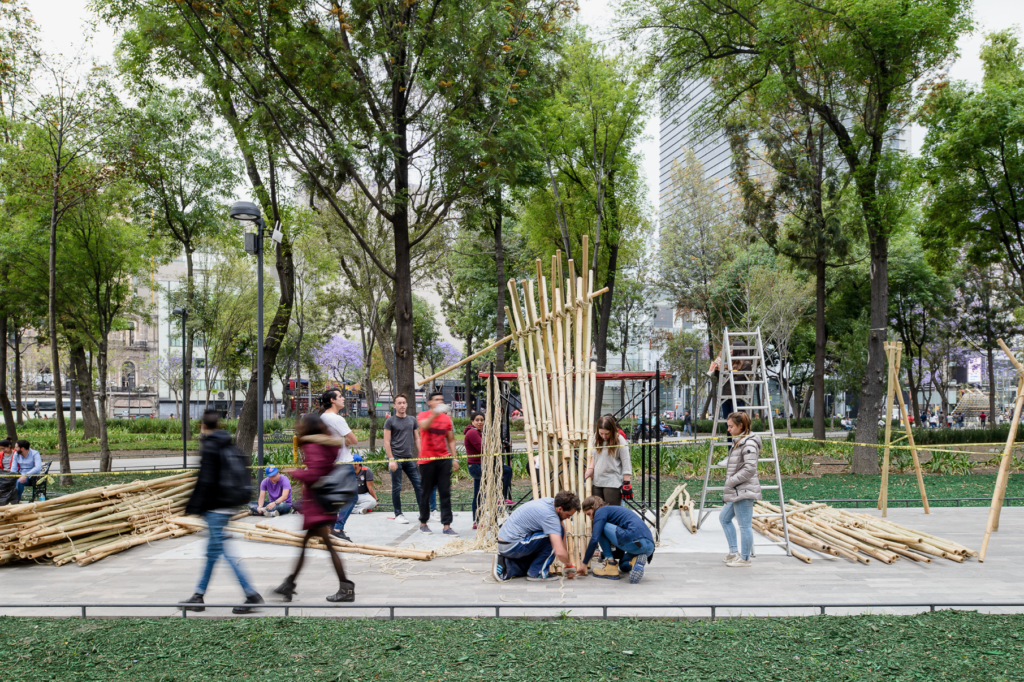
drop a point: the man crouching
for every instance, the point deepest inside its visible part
(533, 537)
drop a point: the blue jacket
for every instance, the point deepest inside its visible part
(631, 527)
(27, 465)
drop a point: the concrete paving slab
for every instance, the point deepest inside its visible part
(686, 571)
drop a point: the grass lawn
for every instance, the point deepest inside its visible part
(935, 646)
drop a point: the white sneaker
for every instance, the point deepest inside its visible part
(738, 562)
(400, 518)
(435, 515)
(731, 557)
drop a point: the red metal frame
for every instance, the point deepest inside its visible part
(601, 376)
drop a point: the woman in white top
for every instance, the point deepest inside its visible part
(611, 468)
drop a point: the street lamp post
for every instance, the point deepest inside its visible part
(247, 211)
(185, 420)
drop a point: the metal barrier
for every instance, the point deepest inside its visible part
(563, 610)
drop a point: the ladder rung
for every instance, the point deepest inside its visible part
(742, 333)
(767, 516)
(766, 459)
(747, 383)
(715, 487)
(750, 407)
(719, 466)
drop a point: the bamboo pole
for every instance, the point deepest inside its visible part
(910, 432)
(883, 493)
(999, 494)
(531, 461)
(463, 361)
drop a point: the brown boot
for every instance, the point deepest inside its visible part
(609, 570)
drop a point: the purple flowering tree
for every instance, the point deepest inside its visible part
(440, 355)
(339, 358)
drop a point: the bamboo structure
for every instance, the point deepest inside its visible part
(855, 537)
(894, 353)
(92, 524)
(998, 495)
(551, 321)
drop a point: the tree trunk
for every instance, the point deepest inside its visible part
(805, 403)
(82, 371)
(404, 362)
(820, 340)
(865, 458)
(101, 362)
(74, 398)
(991, 384)
(601, 343)
(19, 403)
(499, 258)
(58, 393)
(5, 400)
(187, 343)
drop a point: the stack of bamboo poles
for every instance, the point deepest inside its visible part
(92, 524)
(680, 497)
(264, 532)
(856, 537)
(557, 381)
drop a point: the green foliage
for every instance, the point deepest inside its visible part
(924, 437)
(948, 463)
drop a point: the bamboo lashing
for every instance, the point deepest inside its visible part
(855, 537)
(92, 524)
(999, 494)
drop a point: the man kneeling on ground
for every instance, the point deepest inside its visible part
(367, 499)
(533, 537)
(625, 530)
(278, 489)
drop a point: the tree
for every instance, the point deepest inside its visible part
(633, 310)
(340, 358)
(919, 301)
(854, 63)
(101, 257)
(680, 362)
(974, 160)
(385, 98)
(698, 235)
(70, 158)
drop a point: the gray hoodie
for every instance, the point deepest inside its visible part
(741, 470)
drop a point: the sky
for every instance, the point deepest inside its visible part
(63, 24)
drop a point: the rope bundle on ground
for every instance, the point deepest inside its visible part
(93, 524)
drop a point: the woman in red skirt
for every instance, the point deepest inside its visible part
(319, 451)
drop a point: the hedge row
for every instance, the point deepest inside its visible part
(922, 436)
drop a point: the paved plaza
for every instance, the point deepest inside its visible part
(687, 569)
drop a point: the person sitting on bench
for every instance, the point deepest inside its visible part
(26, 462)
(533, 537)
(278, 489)
(6, 454)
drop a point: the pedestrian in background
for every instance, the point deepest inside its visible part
(437, 460)
(332, 403)
(741, 489)
(26, 462)
(402, 445)
(319, 453)
(219, 493)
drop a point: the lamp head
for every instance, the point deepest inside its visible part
(178, 311)
(688, 350)
(245, 210)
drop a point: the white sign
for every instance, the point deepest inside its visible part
(974, 371)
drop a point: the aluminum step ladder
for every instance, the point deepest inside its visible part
(747, 353)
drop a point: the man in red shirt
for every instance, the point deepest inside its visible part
(437, 461)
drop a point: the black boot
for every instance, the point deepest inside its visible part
(194, 599)
(286, 589)
(254, 599)
(346, 592)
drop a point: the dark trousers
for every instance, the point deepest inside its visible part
(436, 475)
(530, 556)
(506, 483)
(612, 496)
(413, 473)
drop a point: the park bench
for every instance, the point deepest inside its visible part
(38, 482)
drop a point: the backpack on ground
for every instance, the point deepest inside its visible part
(235, 478)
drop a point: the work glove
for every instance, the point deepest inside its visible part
(627, 491)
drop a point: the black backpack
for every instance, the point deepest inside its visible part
(235, 478)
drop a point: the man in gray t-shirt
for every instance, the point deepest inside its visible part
(402, 444)
(532, 538)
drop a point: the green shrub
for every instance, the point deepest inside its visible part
(947, 463)
(923, 437)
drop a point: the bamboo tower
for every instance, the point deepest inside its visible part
(551, 321)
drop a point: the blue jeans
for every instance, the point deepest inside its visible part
(506, 483)
(531, 556)
(21, 486)
(413, 472)
(344, 513)
(631, 549)
(743, 511)
(215, 548)
(282, 509)
(686, 429)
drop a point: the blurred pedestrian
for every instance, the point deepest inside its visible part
(319, 452)
(332, 402)
(222, 487)
(437, 460)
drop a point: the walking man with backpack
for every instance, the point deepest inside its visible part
(223, 487)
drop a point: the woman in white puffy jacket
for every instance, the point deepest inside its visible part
(741, 489)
